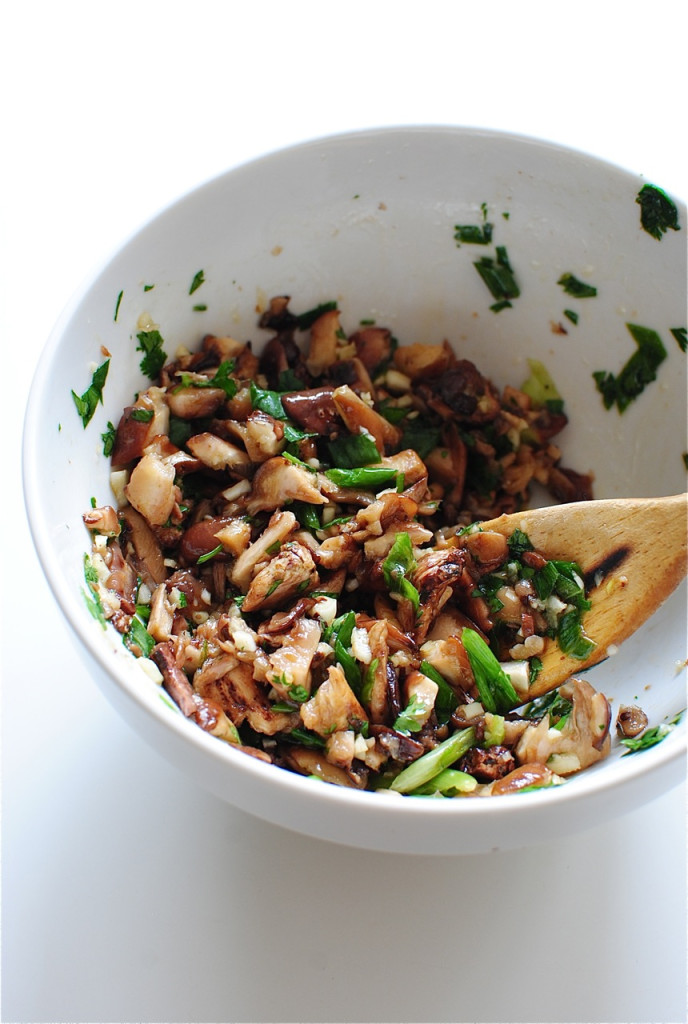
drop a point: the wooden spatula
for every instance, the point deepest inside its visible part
(632, 552)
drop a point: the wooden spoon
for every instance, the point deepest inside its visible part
(632, 552)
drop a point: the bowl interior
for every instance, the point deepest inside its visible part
(369, 219)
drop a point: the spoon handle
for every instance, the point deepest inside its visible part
(633, 555)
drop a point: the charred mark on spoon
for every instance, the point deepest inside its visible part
(598, 573)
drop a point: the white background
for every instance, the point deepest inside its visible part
(129, 895)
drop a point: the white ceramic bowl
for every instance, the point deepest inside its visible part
(368, 219)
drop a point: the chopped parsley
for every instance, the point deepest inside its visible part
(108, 439)
(179, 431)
(154, 357)
(639, 371)
(288, 381)
(269, 402)
(138, 636)
(91, 595)
(658, 213)
(304, 321)
(412, 718)
(198, 280)
(553, 704)
(571, 315)
(681, 336)
(393, 413)
(579, 289)
(519, 542)
(221, 379)
(87, 403)
(117, 305)
(420, 435)
(650, 737)
(350, 452)
(142, 415)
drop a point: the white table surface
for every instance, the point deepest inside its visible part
(128, 894)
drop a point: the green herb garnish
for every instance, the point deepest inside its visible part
(142, 415)
(419, 435)
(651, 737)
(541, 389)
(91, 595)
(474, 234)
(180, 431)
(450, 782)
(273, 587)
(338, 635)
(117, 305)
(354, 450)
(269, 402)
(288, 381)
(397, 566)
(498, 275)
(636, 374)
(518, 543)
(429, 765)
(307, 319)
(306, 515)
(446, 700)
(658, 213)
(154, 357)
(138, 636)
(198, 280)
(412, 718)
(579, 289)
(564, 579)
(552, 704)
(393, 413)
(108, 439)
(367, 477)
(221, 379)
(496, 691)
(306, 738)
(208, 555)
(369, 680)
(87, 403)
(534, 669)
(681, 336)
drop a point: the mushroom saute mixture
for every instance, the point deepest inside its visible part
(296, 549)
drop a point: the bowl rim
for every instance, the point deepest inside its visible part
(654, 760)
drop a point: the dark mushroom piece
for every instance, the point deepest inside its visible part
(631, 720)
(313, 410)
